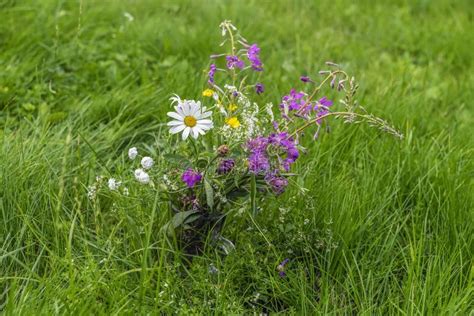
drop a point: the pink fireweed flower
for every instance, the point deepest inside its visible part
(322, 107)
(285, 143)
(211, 73)
(293, 101)
(191, 177)
(253, 53)
(234, 62)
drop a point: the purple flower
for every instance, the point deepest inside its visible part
(294, 101)
(191, 177)
(325, 102)
(305, 79)
(278, 138)
(234, 61)
(257, 144)
(292, 153)
(211, 73)
(258, 162)
(225, 166)
(259, 88)
(275, 125)
(285, 143)
(277, 183)
(322, 108)
(281, 268)
(253, 53)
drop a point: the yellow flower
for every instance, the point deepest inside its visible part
(232, 107)
(233, 122)
(208, 93)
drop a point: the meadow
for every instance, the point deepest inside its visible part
(374, 224)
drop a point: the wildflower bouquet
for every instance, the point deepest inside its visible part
(238, 151)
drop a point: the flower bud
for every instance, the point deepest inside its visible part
(223, 150)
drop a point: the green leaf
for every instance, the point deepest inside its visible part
(209, 194)
(177, 159)
(253, 194)
(183, 218)
(180, 219)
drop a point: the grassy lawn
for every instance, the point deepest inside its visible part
(373, 224)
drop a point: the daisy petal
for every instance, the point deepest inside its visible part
(201, 131)
(174, 123)
(177, 129)
(194, 132)
(175, 115)
(205, 122)
(186, 132)
(179, 110)
(204, 127)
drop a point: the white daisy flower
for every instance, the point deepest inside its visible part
(142, 176)
(132, 153)
(147, 162)
(189, 118)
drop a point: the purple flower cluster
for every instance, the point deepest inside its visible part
(285, 142)
(262, 148)
(253, 53)
(234, 62)
(212, 72)
(293, 101)
(259, 147)
(225, 166)
(191, 177)
(296, 101)
(258, 160)
(276, 182)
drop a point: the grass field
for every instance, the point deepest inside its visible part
(385, 226)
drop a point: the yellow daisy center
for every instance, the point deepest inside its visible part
(190, 121)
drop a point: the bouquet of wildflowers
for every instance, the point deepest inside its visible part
(233, 151)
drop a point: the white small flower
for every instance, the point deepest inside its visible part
(189, 118)
(268, 108)
(129, 17)
(132, 153)
(230, 88)
(147, 162)
(91, 191)
(113, 184)
(125, 191)
(142, 176)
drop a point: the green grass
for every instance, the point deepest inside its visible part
(390, 223)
